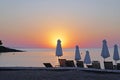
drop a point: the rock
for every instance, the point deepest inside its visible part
(6, 49)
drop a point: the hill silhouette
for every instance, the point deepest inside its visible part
(6, 49)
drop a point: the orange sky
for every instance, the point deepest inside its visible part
(40, 23)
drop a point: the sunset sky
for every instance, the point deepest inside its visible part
(39, 23)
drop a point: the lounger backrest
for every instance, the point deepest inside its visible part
(62, 62)
(118, 66)
(108, 65)
(70, 63)
(80, 64)
(47, 65)
(96, 64)
(89, 66)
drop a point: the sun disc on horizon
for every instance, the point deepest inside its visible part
(55, 38)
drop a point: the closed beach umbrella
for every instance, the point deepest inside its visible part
(77, 53)
(59, 52)
(105, 51)
(87, 59)
(116, 53)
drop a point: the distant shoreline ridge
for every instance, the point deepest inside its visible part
(6, 49)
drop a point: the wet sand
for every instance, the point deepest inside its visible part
(56, 75)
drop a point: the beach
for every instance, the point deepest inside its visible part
(59, 40)
(56, 75)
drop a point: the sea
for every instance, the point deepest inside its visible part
(36, 57)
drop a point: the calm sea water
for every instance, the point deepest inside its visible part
(36, 57)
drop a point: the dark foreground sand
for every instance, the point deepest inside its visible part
(57, 75)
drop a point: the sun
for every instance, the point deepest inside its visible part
(54, 39)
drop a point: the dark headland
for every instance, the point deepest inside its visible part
(6, 49)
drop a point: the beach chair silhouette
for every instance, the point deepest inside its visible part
(62, 62)
(115, 67)
(96, 64)
(118, 66)
(89, 66)
(47, 65)
(80, 64)
(70, 63)
(108, 65)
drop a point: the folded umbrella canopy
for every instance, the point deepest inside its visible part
(59, 52)
(87, 59)
(77, 53)
(116, 56)
(105, 51)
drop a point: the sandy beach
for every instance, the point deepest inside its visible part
(56, 75)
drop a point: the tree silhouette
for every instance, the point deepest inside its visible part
(1, 42)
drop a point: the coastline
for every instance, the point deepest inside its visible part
(6, 49)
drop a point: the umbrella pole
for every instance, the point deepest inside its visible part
(58, 61)
(58, 58)
(76, 62)
(115, 64)
(104, 59)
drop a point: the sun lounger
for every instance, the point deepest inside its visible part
(47, 65)
(62, 62)
(96, 64)
(89, 66)
(80, 64)
(70, 63)
(118, 66)
(115, 67)
(108, 65)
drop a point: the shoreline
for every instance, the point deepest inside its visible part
(59, 69)
(42, 73)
